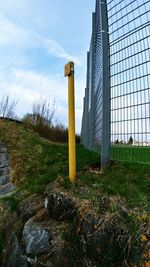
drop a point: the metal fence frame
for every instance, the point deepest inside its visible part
(97, 123)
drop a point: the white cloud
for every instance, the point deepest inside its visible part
(28, 86)
(55, 49)
(13, 35)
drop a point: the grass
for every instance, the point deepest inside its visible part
(12, 202)
(130, 181)
(37, 162)
(131, 153)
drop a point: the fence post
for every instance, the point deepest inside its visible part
(105, 149)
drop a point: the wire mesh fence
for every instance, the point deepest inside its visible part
(124, 101)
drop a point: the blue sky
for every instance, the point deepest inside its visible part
(38, 37)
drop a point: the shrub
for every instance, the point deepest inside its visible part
(41, 121)
(7, 107)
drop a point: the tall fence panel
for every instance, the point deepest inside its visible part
(116, 117)
(96, 135)
(129, 37)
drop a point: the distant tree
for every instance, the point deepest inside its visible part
(41, 118)
(43, 112)
(7, 107)
(130, 142)
(117, 142)
(28, 120)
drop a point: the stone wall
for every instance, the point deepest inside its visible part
(6, 186)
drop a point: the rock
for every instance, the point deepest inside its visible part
(3, 148)
(60, 206)
(3, 159)
(29, 207)
(86, 229)
(66, 255)
(5, 171)
(5, 175)
(103, 239)
(41, 216)
(13, 256)
(53, 187)
(4, 179)
(4, 189)
(37, 239)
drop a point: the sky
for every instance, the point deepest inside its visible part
(38, 37)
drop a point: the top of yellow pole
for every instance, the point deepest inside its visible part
(69, 68)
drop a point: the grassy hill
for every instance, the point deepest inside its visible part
(36, 162)
(121, 190)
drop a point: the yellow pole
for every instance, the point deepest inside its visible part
(69, 71)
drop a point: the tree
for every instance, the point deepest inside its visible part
(130, 142)
(43, 112)
(7, 107)
(41, 118)
(117, 142)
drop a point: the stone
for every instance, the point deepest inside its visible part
(5, 175)
(66, 255)
(37, 239)
(6, 187)
(5, 171)
(53, 187)
(9, 187)
(3, 160)
(103, 239)
(4, 179)
(60, 206)
(41, 216)
(13, 255)
(3, 148)
(86, 229)
(29, 207)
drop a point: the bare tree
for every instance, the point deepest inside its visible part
(7, 107)
(41, 118)
(43, 112)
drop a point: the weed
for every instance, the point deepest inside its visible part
(12, 202)
(69, 235)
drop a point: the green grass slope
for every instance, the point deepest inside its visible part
(120, 190)
(37, 162)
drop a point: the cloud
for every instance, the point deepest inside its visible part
(29, 86)
(13, 35)
(55, 49)
(10, 33)
(26, 85)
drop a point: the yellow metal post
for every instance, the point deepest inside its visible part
(69, 71)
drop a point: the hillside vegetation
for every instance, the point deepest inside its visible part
(120, 191)
(37, 161)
